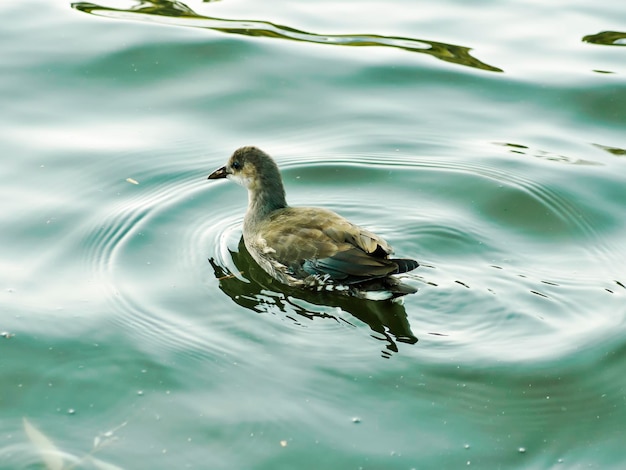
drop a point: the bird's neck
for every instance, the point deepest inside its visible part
(263, 200)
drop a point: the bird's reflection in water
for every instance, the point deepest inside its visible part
(388, 320)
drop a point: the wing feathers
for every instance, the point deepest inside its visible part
(352, 265)
(319, 242)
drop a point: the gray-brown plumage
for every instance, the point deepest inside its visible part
(310, 246)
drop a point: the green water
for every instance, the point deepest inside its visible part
(486, 141)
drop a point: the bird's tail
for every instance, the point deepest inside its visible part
(385, 288)
(404, 265)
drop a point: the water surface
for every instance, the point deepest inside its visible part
(486, 141)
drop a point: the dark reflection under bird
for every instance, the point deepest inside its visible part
(387, 320)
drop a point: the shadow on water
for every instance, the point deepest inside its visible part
(177, 13)
(387, 319)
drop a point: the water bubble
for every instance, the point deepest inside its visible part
(356, 420)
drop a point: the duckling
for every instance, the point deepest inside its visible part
(310, 247)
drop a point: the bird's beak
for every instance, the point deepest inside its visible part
(219, 173)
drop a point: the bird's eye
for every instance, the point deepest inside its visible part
(236, 165)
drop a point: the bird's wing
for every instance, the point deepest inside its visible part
(350, 266)
(321, 242)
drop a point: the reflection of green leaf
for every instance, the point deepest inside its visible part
(177, 13)
(606, 38)
(49, 453)
(612, 150)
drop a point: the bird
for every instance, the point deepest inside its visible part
(310, 247)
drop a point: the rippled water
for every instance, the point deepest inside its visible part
(485, 140)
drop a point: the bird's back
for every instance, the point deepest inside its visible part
(301, 245)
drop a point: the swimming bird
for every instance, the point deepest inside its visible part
(310, 247)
